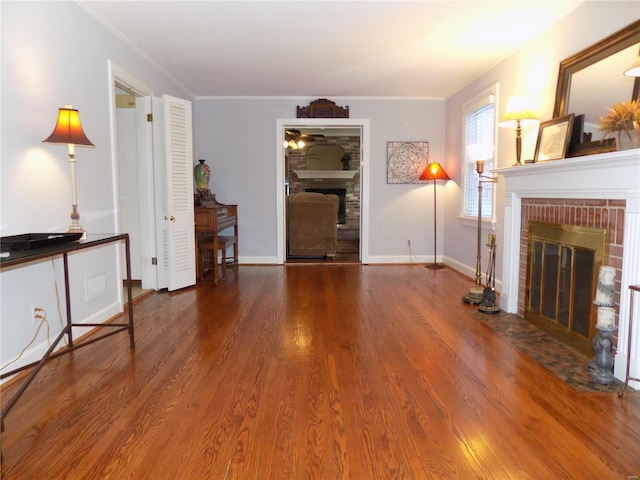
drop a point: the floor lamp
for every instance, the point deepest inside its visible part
(434, 171)
(68, 130)
(476, 292)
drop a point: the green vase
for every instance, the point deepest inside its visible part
(202, 174)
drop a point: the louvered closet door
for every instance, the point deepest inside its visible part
(178, 235)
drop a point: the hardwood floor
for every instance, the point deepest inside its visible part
(314, 372)
(349, 258)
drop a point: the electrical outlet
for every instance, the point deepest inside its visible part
(37, 314)
(409, 242)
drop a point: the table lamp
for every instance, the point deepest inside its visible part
(68, 130)
(519, 114)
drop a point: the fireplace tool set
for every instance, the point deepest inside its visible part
(488, 303)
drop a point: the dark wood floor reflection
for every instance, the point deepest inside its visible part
(343, 258)
(318, 372)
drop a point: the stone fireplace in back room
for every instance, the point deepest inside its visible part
(597, 192)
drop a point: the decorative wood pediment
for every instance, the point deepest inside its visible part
(322, 108)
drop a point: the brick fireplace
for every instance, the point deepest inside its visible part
(600, 191)
(599, 214)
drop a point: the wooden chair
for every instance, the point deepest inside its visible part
(207, 251)
(209, 224)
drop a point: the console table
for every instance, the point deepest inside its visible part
(18, 259)
(209, 222)
(634, 289)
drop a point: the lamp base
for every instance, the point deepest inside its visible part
(434, 266)
(474, 297)
(78, 229)
(489, 308)
(75, 220)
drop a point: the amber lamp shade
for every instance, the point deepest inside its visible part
(434, 171)
(68, 129)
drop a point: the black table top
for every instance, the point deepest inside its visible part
(16, 257)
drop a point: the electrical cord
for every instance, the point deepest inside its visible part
(43, 320)
(411, 255)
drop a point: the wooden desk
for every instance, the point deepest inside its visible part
(209, 222)
(19, 258)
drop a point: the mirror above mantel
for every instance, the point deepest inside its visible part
(592, 81)
(326, 161)
(325, 157)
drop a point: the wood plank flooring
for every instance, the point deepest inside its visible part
(314, 372)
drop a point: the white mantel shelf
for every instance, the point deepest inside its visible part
(606, 175)
(613, 175)
(340, 174)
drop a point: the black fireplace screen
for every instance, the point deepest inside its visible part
(563, 262)
(562, 285)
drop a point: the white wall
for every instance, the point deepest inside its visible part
(237, 138)
(53, 53)
(532, 71)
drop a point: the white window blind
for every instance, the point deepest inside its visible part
(479, 128)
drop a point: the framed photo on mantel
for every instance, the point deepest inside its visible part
(553, 139)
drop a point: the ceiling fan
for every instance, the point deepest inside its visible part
(295, 139)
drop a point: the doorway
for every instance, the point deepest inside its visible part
(131, 158)
(128, 182)
(329, 127)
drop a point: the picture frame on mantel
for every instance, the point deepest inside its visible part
(554, 137)
(406, 161)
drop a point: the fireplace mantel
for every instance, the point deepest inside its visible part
(341, 174)
(607, 175)
(613, 175)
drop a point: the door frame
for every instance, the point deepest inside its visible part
(123, 79)
(364, 126)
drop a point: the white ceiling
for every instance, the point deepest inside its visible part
(327, 48)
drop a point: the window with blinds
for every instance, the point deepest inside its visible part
(479, 129)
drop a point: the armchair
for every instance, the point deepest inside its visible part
(312, 220)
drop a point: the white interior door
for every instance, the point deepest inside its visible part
(146, 192)
(173, 159)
